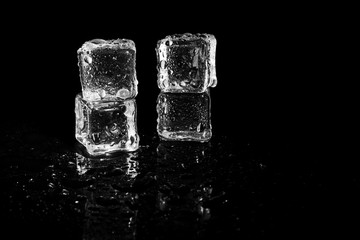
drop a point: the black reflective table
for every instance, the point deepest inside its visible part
(222, 189)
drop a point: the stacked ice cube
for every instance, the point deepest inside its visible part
(186, 71)
(105, 110)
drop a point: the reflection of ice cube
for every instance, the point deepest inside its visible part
(186, 154)
(186, 62)
(118, 165)
(184, 116)
(109, 200)
(106, 126)
(107, 69)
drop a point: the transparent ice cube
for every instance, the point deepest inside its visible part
(186, 62)
(107, 69)
(106, 126)
(184, 116)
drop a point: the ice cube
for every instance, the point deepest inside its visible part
(184, 116)
(186, 63)
(107, 69)
(106, 126)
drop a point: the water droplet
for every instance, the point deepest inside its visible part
(102, 93)
(98, 41)
(87, 59)
(206, 214)
(262, 166)
(132, 140)
(114, 129)
(123, 93)
(162, 64)
(168, 43)
(195, 83)
(96, 137)
(184, 83)
(65, 192)
(200, 127)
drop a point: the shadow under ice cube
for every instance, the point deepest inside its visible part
(184, 116)
(106, 126)
(186, 63)
(107, 69)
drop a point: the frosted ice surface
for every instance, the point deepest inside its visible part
(184, 116)
(106, 126)
(186, 62)
(107, 69)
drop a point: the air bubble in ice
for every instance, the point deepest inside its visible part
(87, 59)
(102, 93)
(162, 64)
(123, 93)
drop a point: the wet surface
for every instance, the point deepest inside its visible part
(165, 190)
